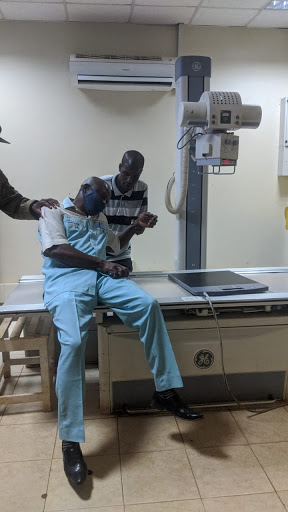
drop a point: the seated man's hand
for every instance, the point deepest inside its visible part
(145, 220)
(50, 203)
(113, 270)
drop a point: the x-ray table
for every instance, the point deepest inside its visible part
(254, 328)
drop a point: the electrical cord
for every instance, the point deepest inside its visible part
(255, 412)
(189, 140)
(183, 136)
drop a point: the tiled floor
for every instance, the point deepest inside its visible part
(231, 461)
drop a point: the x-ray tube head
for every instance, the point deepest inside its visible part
(219, 111)
(192, 113)
(251, 116)
(213, 118)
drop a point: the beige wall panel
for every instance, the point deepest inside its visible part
(60, 135)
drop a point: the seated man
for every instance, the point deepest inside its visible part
(77, 277)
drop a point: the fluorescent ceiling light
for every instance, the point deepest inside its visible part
(278, 4)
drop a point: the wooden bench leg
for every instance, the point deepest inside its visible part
(7, 366)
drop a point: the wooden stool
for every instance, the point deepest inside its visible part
(37, 334)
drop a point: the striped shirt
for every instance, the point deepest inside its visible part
(123, 208)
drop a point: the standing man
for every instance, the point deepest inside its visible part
(15, 205)
(74, 238)
(128, 200)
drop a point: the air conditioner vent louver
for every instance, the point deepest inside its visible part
(117, 57)
(126, 73)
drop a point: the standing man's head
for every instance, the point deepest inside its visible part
(3, 140)
(130, 170)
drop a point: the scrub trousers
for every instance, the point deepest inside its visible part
(72, 313)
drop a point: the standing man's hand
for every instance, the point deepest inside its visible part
(36, 207)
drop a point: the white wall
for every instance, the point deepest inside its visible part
(61, 135)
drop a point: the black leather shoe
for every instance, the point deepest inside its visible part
(74, 465)
(175, 405)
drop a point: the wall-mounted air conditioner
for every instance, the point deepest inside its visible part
(122, 73)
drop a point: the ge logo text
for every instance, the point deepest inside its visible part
(204, 359)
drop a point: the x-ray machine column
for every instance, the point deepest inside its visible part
(192, 78)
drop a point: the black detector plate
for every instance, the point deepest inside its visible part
(222, 282)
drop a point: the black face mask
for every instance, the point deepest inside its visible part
(92, 202)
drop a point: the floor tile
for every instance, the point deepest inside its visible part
(116, 508)
(28, 383)
(148, 434)
(217, 429)
(101, 438)
(283, 495)
(228, 471)
(268, 502)
(22, 485)
(101, 489)
(27, 442)
(7, 387)
(169, 506)
(16, 370)
(21, 385)
(157, 476)
(32, 412)
(31, 371)
(274, 459)
(268, 427)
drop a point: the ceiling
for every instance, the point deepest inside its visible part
(227, 13)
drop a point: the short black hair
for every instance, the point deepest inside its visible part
(133, 158)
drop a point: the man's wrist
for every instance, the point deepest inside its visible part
(34, 214)
(133, 226)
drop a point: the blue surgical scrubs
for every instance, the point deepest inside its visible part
(71, 294)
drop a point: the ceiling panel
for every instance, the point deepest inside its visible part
(227, 13)
(33, 11)
(272, 19)
(31, 1)
(99, 13)
(162, 15)
(103, 3)
(224, 17)
(235, 4)
(169, 3)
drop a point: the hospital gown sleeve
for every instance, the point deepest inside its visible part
(51, 228)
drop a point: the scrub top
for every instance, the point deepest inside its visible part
(91, 235)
